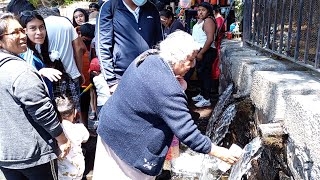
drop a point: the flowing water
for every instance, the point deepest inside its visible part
(250, 152)
(187, 165)
(191, 165)
(222, 126)
(222, 102)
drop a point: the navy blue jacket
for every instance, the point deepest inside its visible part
(120, 39)
(176, 25)
(141, 116)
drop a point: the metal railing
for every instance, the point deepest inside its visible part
(287, 28)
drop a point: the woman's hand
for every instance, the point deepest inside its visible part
(182, 82)
(64, 145)
(224, 154)
(50, 73)
(199, 56)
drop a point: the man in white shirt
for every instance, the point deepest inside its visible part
(64, 41)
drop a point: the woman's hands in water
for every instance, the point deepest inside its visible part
(50, 73)
(224, 154)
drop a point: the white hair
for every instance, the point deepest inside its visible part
(177, 46)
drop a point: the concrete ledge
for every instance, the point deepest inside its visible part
(269, 87)
(284, 94)
(302, 121)
(239, 64)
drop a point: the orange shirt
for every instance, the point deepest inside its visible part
(85, 69)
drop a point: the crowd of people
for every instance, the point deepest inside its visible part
(121, 65)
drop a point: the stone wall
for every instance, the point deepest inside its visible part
(282, 93)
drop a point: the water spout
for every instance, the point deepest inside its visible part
(250, 152)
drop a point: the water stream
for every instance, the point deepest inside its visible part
(222, 126)
(250, 152)
(191, 165)
(222, 102)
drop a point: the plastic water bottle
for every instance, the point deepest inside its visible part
(235, 150)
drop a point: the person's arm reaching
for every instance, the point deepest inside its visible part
(175, 113)
(104, 42)
(223, 153)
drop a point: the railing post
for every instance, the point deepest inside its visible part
(250, 4)
(263, 22)
(282, 25)
(254, 20)
(246, 20)
(317, 59)
(290, 27)
(306, 50)
(275, 25)
(297, 47)
(259, 23)
(269, 23)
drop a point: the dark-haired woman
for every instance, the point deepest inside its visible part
(37, 35)
(203, 32)
(169, 22)
(80, 16)
(94, 7)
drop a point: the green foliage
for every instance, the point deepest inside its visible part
(239, 10)
(34, 2)
(67, 2)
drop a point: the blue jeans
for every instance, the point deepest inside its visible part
(48, 171)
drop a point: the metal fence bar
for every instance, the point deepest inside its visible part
(269, 24)
(317, 59)
(282, 25)
(259, 23)
(250, 4)
(306, 50)
(290, 27)
(275, 27)
(246, 25)
(263, 23)
(297, 46)
(289, 58)
(254, 21)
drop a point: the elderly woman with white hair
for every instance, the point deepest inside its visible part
(149, 106)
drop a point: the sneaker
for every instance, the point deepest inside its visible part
(197, 98)
(203, 103)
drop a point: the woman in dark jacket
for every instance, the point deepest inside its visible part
(170, 23)
(149, 106)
